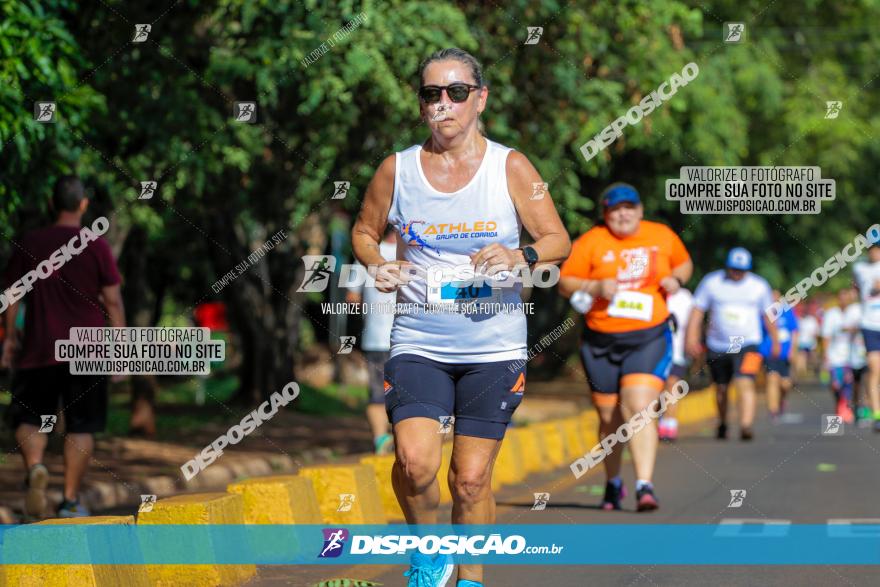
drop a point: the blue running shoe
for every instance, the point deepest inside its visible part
(468, 583)
(427, 571)
(72, 509)
(384, 444)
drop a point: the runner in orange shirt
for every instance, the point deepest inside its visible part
(629, 266)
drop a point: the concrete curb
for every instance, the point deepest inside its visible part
(278, 499)
(198, 508)
(296, 499)
(381, 465)
(334, 481)
(80, 575)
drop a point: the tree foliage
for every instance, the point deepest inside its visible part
(162, 110)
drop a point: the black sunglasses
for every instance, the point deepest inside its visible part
(457, 92)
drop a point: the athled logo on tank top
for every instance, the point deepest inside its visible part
(445, 231)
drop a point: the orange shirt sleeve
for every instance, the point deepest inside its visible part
(578, 262)
(678, 253)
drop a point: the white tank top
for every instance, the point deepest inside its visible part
(440, 230)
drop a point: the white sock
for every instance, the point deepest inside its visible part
(641, 483)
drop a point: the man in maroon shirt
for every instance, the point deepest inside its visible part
(77, 287)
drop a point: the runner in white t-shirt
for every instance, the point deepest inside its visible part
(680, 305)
(858, 358)
(376, 344)
(867, 277)
(736, 301)
(808, 339)
(837, 340)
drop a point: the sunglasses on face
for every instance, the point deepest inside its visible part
(457, 92)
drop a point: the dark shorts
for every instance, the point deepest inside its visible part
(781, 366)
(726, 366)
(679, 371)
(613, 361)
(481, 396)
(872, 340)
(376, 369)
(35, 393)
(858, 373)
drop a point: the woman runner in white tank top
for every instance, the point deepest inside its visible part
(459, 202)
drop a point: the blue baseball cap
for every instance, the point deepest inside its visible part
(619, 193)
(739, 258)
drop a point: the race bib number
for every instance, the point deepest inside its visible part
(734, 317)
(631, 304)
(463, 292)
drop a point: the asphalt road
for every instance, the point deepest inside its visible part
(790, 472)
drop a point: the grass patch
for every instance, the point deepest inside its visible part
(180, 416)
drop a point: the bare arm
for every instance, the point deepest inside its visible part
(774, 335)
(10, 343)
(678, 276)
(366, 234)
(598, 288)
(539, 216)
(695, 332)
(112, 295)
(684, 271)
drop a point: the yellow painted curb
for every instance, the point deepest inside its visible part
(588, 420)
(553, 442)
(74, 575)
(509, 467)
(443, 474)
(278, 499)
(334, 485)
(531, 449)
(381, 465)
(699, 405)
(197, 508)
(574, 440)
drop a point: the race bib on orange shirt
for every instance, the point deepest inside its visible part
(632, 304)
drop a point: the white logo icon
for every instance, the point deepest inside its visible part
(48, 423)
(141, 32)
(147, 502)
(44, 111)
(832, 109)
(534, 35)
(735, 32)
(441, 112)
(446, 424)
(148, 188)
(736, 344)
(318, 271)
(832, 425)
(608, 257)
(736, 498)
(346, 345)
(346, 501)
(245, 112)
(539, 188)
(340, 189)
(541, 500)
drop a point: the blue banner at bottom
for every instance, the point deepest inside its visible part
(731, 543)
